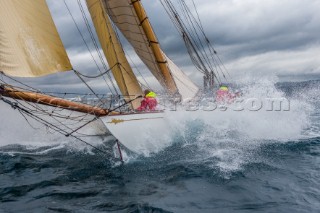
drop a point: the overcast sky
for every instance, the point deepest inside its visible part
(252, 37)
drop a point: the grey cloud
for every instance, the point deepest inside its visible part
(68, 31)
(262, 27)
(238, 29)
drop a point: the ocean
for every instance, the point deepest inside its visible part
(233, 162)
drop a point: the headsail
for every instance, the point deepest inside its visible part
(187, 89)
(29, 42)
(121, 70)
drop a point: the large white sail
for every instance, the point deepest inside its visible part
(29, 42)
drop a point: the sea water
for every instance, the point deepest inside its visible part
(229, 161)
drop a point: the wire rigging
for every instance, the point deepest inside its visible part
(56, 128)
(200, 49)
(95, 43)
(87, 46)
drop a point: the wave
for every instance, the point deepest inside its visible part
(224, 141)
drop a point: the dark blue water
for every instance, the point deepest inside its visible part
(265, 176)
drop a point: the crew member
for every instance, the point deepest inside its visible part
(149, 101)
(223, 95)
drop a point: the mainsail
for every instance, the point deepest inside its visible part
(131, 19)
(121, 70)
(29, 42)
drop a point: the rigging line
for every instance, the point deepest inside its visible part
(33, 114)
(178, 21)
(107, 19)
(97, 76)
(54, 114)
(117, 35)
(186, 38)
(46, 92)
(20, 89)
(199, 20)
(224, 67)
(24, 100)
(126, 102)
(138, 70)
(195, 62)
(33, 89)
(131, 75)
(95, 43)
(83, 39)
(37, 107)
(193, 31)
(44, 113)
(70, 93)
(146, 42)
(105, 15)
(182, 82)
(196, 37)
(53, 117)
(47, 124)
(75, 130)
(77, 73)
(63, 132)
(179, 25)
(26, 119)
(211, 49)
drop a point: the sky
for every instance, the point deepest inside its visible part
(255, 39)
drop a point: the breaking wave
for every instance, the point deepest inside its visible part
(224, 139)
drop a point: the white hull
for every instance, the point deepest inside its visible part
(140, 132)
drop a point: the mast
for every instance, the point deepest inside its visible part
(154, 44)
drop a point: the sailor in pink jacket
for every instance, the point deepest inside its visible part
(223, 95)
(149, 102)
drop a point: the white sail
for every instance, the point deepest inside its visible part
(187, 89)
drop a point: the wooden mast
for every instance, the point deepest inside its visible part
(154, 44)
(52, 101)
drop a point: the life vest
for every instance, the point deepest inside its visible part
(151, 95)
